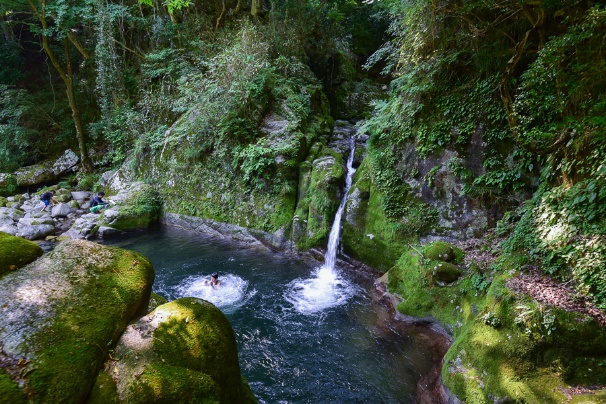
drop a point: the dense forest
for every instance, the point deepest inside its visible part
(491, 109)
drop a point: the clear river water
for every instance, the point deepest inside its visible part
(305, 335)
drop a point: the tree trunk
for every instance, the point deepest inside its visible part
(68, 78)
(255, 6)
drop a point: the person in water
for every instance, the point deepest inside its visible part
(214, 280)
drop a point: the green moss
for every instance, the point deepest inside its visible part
(174, 384)
(518, 350)
(155, 300)
(442, 272)
(104, 391)
(139, 211)
(192, 357)
(16, 252)
(368, 234)
(442, 251)
(109, 286)
(9, 391)
(320, 199)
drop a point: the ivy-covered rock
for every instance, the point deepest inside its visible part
(61, 314)
(183, 351)
(16, 252)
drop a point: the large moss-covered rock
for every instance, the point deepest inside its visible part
(36, 174)
(8, 184)
(137, 208)
(61, 314)
(16, 252)
(183, 351)
(321, 181)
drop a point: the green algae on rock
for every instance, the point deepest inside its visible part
(62, 313)
(16, 252)
(183, 351)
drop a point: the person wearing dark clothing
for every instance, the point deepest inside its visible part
(97, 203)
(48, 198)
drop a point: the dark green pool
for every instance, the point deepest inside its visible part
(303, 336)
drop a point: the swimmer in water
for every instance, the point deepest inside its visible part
(214, 280)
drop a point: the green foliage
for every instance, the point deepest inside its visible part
(16, 133)
(88, 181)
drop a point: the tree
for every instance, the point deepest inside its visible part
(63, 33)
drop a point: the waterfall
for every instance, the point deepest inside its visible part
(327, 288)
(333, 239)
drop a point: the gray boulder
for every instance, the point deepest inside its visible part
(84, 227)
(80, 195)
(35, 231)
(9, 228)
(36, 174)
(64, 163)
(106, 232)
(60, 210)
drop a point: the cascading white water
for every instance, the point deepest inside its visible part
(333, 239)
(327, 289)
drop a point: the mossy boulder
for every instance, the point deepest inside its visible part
(183, 351)
(517, 350)
(8, 185)
(443, 251)
(36, 174)
(62, 313)
(137, 208)
(443, 272)
(16, 252)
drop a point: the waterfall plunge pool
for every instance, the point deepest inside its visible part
(304, 335)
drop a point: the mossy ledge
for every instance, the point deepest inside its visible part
(507, 347)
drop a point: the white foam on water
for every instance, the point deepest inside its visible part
(231, 294)
(327, 289)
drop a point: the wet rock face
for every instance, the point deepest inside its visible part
(183, 351)
(59, 314)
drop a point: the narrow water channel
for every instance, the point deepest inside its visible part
(342, 353)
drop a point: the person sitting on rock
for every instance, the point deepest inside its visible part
(48, 198)
(97, 204)
(214, 280)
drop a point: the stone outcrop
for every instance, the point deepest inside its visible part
(183, 351)
(45, 171)
(61, 313)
